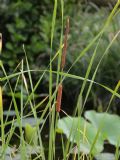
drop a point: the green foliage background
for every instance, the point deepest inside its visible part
(29, 23)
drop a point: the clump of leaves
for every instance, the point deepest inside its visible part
(90, 136)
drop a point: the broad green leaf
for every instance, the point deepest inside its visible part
(108, 124)
(10, 113)
(82, 133)
(105, 156)
(12, 153)
(31, 150)
(29, 120)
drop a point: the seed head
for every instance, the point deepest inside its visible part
(59, 98)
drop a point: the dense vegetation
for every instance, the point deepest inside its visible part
(29, 23)
(35, 36)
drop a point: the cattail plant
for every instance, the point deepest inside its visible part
(0, 43)
(59, 98)
(63, 60)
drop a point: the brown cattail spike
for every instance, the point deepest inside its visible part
(65, 44)
(59, 98)
(0, 43)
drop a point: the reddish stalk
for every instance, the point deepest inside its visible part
(63, 60)
(59, 98)
(0, 43)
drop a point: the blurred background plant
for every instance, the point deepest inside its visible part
(29, 23)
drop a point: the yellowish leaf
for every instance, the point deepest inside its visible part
(31, 135)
